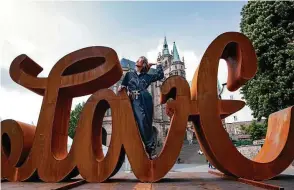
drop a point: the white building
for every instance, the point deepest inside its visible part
(243, 117)
(245, 114)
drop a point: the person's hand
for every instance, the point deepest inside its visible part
(120, 88)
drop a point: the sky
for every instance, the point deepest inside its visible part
(46, 31)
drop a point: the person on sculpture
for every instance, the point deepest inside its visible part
(136, 83)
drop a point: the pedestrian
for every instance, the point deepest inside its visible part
(136, 83)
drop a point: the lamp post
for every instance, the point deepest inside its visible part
(220, 97)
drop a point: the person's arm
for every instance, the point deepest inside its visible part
(158, 74)
(124, 82)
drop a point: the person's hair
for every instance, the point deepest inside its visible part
(145, 68)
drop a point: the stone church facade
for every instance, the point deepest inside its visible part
(172, 65)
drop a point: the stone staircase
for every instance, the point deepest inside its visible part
(189, 154)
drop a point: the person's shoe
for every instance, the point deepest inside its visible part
(152, 154)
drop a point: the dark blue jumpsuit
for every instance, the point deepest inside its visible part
(143, 105)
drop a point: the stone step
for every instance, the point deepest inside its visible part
(189, 154)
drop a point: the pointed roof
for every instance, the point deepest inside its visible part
(165, 41)
(176, 56)
(165, 50)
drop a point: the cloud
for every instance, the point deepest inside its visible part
(8, 84)
(222, 71)
(152, 54)
(46, 35)
(28, 28)
(20, 106)
(192, 61)
(43, 35)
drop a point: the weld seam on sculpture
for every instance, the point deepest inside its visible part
(42, 150)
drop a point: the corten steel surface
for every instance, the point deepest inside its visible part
(42, 152)
(127, 181)
(277, 152)
(249, 182)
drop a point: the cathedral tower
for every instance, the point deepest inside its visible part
(172, 65)
(171, 62)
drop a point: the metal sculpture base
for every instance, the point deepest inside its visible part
(173, 180)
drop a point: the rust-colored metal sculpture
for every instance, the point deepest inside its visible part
(29, 152)
(277, 152)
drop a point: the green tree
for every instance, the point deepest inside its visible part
(255, 130)
(245, 129)
(270, 27)
(74, 118)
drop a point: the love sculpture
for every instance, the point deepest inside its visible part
(28, 151)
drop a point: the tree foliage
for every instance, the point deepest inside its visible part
(270, 27)
(255, 130)
(74, 118)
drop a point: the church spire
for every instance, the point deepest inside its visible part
(165, 50)
(176, 56)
